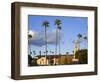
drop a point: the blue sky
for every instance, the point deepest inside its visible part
(71, 26)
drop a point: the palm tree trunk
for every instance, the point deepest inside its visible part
(59, 46)
(59, 42)
(30, 50)
(85, 44)
(56, 41)
(46, 45)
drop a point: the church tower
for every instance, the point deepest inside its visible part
(76, 47)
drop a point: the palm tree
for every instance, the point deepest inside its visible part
(79, 39)
(67, 53)
(79, 35)
(34, 53)
(30, 52)
(85, 38)
(47, 51)
(40, 53)
(58, 28)
(29, 36)
(45, 24)
(44, 52)
(50, 52)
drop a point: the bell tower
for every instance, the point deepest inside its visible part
(75, 47)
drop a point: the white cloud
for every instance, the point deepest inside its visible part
(38, 38)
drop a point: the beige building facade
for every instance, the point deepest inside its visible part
(55, 60)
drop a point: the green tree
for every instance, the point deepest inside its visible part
(82, 55)
(32, 61)
(29, 60)
(45, 24)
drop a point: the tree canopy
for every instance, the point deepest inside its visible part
(82, 55)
